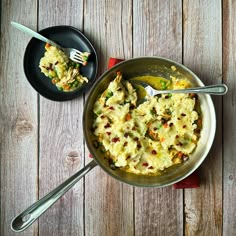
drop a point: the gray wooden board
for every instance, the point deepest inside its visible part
(229, 112)
(18, 119)
(203, 54)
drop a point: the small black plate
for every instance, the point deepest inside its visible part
(66, 36)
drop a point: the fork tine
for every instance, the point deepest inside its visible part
(81, 59)
(76, 60)
(86, 54)
(77, 52)
(78, 56)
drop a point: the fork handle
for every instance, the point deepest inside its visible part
(217, 89)
(34, 34)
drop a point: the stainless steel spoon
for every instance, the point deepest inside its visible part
(217, 89)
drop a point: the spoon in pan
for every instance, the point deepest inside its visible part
(216, 89)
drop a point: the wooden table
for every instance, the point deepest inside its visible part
(41, 141)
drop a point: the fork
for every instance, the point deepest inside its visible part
(74, 54)
(216, 89)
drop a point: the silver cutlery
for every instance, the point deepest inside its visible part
(74, 54)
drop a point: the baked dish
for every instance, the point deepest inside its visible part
(149, 137)
(63, 72)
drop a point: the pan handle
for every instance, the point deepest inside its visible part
(32, 213)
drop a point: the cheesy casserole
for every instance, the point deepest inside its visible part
(63, 72)
(147, 138)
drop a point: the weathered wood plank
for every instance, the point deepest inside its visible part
(61, 140)
(18, 118)
(203, 54)
(229, 128)
(108, 203)
(157, 30)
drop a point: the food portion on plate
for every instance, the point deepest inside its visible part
(146, 139)
(63, 72)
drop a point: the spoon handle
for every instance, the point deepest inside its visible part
(34, 34)
(32, 213)
(217, 89)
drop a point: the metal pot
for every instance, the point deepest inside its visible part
(159, 67)
(131, 68)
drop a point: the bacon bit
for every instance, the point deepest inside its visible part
(108, 133)
(56, 63)
(90, 155)
(151, 133)
(150, 167)
(145, 164)
(126, 135)
(136, 139)
(178, 118)
(171, 124)
(107, 126)
(50, 66)
(179, 144)
(180, 154)
(162, 139)
(139, 145)
(165, 125)
(154, 152)
(177, 136)
(111, 108)
(125, 144)
(184, 126)
(167, 96)
(133, 128)
(128, 117)
(182, 114)
(114, 140)
(128, 157)
(163, 120)
(155, 128)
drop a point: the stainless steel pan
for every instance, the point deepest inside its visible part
(130, 68)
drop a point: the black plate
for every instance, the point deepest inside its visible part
(67, 36)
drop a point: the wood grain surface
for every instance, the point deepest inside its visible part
(42, 144)
(203, 55)
(18, 119)
(229, 116)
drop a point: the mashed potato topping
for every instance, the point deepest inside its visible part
(63, 72)
(147, 138)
